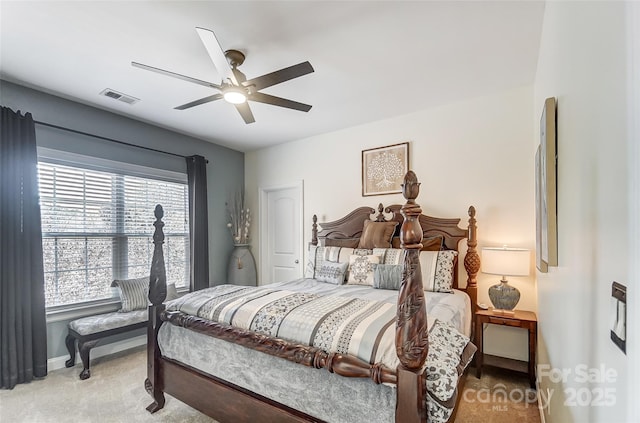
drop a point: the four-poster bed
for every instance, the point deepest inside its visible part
(412, 390)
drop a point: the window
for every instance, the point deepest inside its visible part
(97, 226)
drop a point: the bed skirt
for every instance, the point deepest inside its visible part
(299, 387)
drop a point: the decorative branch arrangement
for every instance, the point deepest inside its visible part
(239, 219)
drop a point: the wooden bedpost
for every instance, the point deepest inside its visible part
(157, 295)
(412, 337)
(314, 230)
(472, 263)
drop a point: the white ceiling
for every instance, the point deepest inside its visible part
(372, 59)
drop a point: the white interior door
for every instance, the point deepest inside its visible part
(281, 233)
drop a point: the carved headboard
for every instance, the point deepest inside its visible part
(350, 228)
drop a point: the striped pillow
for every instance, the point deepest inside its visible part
(437, 270)
(133, 293)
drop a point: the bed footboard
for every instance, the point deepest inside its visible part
(343, 365)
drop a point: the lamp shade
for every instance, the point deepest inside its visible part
(505, 261)
(234, 95)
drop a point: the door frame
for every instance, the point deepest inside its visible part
(262, 223)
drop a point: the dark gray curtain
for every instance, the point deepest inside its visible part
(198, 222)
(23, 330)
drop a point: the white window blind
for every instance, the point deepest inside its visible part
(97, 226)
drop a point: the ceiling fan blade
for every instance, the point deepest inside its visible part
(279, 101)
(245, 112)
(199, 102)
(217, 54)
(175, 75)
(279, 76)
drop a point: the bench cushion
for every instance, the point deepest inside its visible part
(102, 322)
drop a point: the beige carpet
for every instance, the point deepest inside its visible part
(115, 393)
(500, 396)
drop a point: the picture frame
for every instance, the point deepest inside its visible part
(546, 189)
(383, 169)
(540, 264)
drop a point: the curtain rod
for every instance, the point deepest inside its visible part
(108, 139)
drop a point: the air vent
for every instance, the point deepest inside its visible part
(108, 92)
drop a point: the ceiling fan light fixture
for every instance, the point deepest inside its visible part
(234, 87)
(234, 95)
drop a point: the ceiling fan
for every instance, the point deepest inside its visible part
(234, 86)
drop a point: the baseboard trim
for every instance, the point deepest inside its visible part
(56, 363)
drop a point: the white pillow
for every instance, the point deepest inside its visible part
(361, 269)
(337, 254)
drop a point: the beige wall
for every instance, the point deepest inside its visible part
(477, 152)
(582, 62)
(633, 302)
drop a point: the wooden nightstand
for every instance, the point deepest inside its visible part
(520, 319)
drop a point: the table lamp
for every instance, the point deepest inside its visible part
(505, 262)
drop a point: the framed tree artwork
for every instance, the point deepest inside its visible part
(546, 189)
(383, 169)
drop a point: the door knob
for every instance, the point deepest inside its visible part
(297, 261)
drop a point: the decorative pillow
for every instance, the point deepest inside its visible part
(363, 251)
(433, 243)
(337, 255)
(444, 361)
(332, 254)
(361, 269)
(346, 242)
(442, 379)
(379, 252)
(466, 357)
(172, 292)
(310, 268)
(377, 234)
(389, 255)
(332, 272)
(133, 293)
(388, 276)
(437, 270)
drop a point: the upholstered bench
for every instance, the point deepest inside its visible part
(88, 331)
(133, 314)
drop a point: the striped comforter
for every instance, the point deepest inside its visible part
(353, 326)
(333, 320)
(334, 323)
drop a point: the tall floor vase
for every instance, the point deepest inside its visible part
(242, 266)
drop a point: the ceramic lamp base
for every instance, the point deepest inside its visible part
(504, 296)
